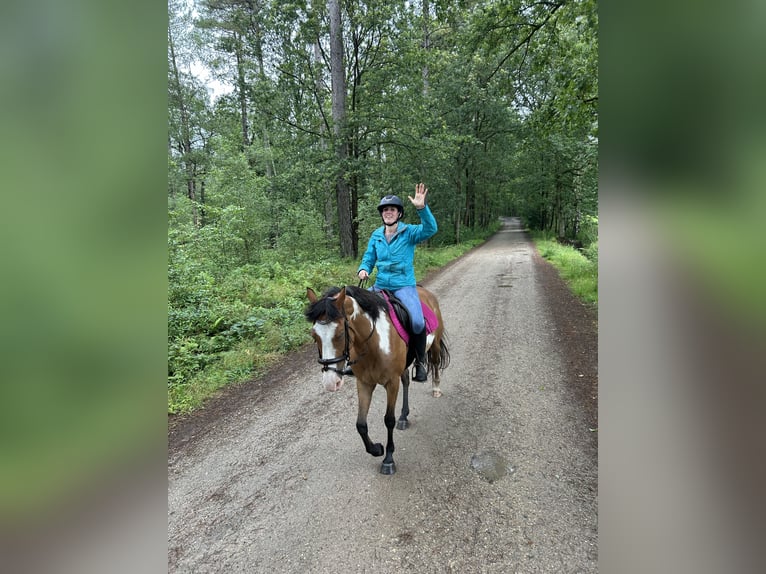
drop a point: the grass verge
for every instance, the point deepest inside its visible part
(579, 272)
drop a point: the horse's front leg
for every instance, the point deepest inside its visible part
(392, 391)
(403, 423)
(364, 392)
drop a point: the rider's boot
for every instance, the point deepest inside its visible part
(419, 345)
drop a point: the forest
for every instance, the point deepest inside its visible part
(288, 120)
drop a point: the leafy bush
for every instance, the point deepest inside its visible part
(243, 317)
(591, 252)
(578, 271)
(588, 232)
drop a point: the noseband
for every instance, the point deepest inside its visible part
(345, 356)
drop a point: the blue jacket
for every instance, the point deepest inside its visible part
(395, 259)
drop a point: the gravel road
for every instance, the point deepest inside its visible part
(497, 475)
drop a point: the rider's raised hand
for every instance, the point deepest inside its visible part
(420, 196)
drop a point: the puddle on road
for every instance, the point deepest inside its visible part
(490, 466)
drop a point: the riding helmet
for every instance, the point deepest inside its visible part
(391, 200)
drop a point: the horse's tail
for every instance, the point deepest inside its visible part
(439, 361)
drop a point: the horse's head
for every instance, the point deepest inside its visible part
(330, 332)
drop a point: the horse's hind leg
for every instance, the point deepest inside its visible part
(403, 423)
(435, 361)
(364, 392)
(392, 390)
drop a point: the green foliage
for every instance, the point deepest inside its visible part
(492, 106)
(578, 271)
(554, 183)
(591, 252)
(588, 232)
(588, 235)
(245, 317)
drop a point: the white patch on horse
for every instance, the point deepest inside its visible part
(326, 332)
(430, 340)
(384, 333)
(359, 312)
(357, 309)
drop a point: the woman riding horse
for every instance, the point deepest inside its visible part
(392, 249)
(353, 326)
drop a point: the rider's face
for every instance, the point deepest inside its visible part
(390, 214)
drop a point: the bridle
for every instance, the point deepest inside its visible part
(345, 356)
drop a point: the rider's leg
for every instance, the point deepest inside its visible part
(409, 297)
(419, 344)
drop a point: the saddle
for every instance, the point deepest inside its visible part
(400, 317)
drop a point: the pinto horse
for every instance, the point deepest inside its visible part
(353, 329)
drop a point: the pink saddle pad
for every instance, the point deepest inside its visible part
(431, 321)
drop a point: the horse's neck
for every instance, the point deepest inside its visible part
(364, 327)
(371, 336)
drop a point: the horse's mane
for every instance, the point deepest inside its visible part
(324, 307)
(369, 301)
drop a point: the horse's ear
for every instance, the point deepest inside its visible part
(311, 295)
(340, 298)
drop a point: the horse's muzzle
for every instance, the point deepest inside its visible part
(332, 381)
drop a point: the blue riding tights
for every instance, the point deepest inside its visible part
(409, 298)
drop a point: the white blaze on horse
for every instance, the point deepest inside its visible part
(354, 331)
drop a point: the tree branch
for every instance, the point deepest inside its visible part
(527, 38)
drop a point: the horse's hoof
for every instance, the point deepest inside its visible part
(436, 393)
(377, 449)
(402, 424)
(388, 468)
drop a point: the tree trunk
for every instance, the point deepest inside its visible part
(242, 89)
(271, 170)
(355, 212)
(470, 201)
(185, 135)
(338, 75)
(426, 43)
(458, 215)
(201, 201)
(329, 208)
